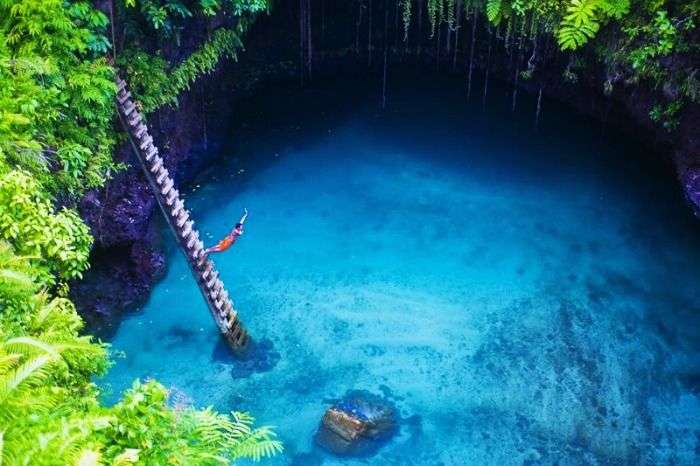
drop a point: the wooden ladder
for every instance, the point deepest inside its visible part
(178, 218)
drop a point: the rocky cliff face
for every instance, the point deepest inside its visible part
(127, 259)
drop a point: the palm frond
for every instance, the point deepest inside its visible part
(256, 448)
(8, 361)
(33, 343)
(29, 371)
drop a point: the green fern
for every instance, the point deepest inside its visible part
(23, 375)
(406, 17)
(493, 10)
(578, 25)
(615, 8)
(17, 277)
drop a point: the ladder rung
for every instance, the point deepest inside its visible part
(121, 85)
(227, 326)
(232, 327)
(123, 97)
(210, 284)
(157, 163)
(198, 248)
(151, 152)
(128, 108)
(135, 119)
(186, 229)
(214, 290)
(202, 260)
(167, 186)
(237, 330)
(231, 332)
(182, 218)
(219, 290)
(171, 198)
(194, 236)
(140, 130)
(145, 142)
(162, 175)
(177, 208)
(219, 287)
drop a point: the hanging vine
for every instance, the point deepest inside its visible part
(369, 35)
(406, 17)
(434, 11)
(475, 17)
(487, 68)
(457, 27)
(645, 34)
(518, 60)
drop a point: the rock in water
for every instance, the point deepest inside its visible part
(357, 425)
(346, 425)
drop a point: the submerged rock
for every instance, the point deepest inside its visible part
(357, 425)
(348, 426)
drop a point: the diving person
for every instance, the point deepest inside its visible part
(231, 238)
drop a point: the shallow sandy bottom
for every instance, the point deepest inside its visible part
(519, 304)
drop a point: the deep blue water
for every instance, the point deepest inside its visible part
(521, 297)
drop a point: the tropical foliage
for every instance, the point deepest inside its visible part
(55, 94)
(637, 40)
(57, 135)
(165, 15)
(156, 85)
(59, 241)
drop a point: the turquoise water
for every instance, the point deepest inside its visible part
(521, 297)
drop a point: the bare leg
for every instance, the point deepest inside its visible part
(208, 251)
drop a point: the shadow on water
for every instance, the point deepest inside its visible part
(258, 356)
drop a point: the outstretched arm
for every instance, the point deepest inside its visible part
(237, 229)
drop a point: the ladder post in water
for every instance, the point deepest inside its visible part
(178, 218)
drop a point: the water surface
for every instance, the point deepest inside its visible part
(522, 297)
